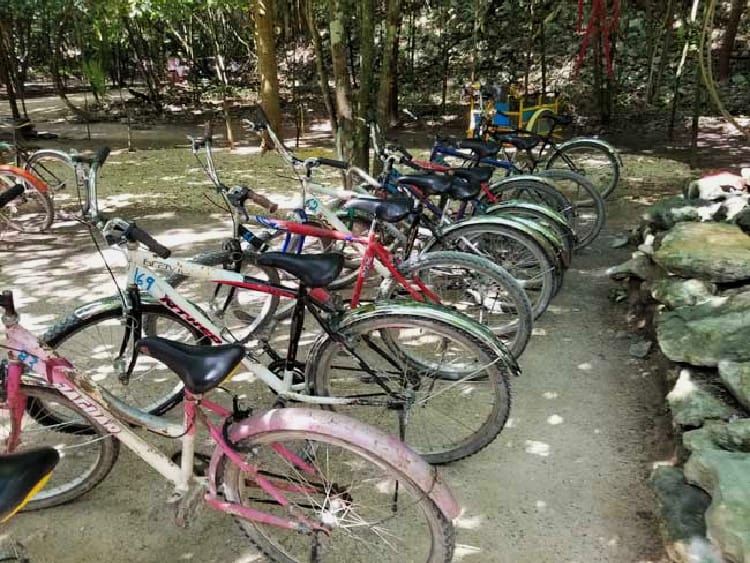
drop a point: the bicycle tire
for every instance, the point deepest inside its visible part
(563, 159)
(57, 170)
(321, 373)
(539, 286)
(108, 449)
(40, 220)
(538, 192)
(260, 319)
(75, 323)
(514, 334)
(542, 214)
(309, 445)
(592, 204)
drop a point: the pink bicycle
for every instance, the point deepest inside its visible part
(304, 485)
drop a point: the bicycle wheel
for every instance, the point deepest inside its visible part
(455, 390)
(590, 210)
(473, 286)
(590, 159)
(374, 511)
(93, 344)
(522, 256)
(32, 211)
(87, 450)
(56, 169)
(242, 312)
(538, 192)
(542, 214)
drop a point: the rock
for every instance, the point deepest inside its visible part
(733, 436)
(695, 398)
(726, 477)
(716, 252)
(736, 376)
(677, 292)
(640, 349)
(639, 266)
(620, 242)
(666, 213)
(742, 220)
(705, 334)
(715, 187)
(682, 507)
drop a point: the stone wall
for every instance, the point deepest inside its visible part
(688, 284)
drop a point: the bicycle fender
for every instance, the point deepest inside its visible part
(313, 422)
(521, 178)
(510, 223)
(551, 214)
(107, 304)
(612, 151)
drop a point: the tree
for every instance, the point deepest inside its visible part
(344, 106)
(269, 79)
(727, 44)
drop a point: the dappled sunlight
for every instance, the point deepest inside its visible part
(554, 420)
(536, 447)
(464, 551)
(465, 522)
(549, 395)
(586, 366)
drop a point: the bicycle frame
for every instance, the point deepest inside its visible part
(116, 417)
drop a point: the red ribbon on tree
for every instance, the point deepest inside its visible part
(598, 20)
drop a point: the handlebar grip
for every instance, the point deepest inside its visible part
(341, 165)
(6, 302)
(9, 195)
(134, 232)
(263, 201)
(101, 156)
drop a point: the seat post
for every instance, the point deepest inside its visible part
(298, 320)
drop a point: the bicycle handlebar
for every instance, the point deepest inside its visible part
(135, 233)
(262, 200)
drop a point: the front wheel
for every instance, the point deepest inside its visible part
(374, 511)
(449, 394)
(473, 286)
(87, 450)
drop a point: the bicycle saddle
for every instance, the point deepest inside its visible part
(463, 190)
(480, 175)
(201, 368)
(525, 142)
(480, 148)
(99, 158)
(312, 270)
(429, 184)
(388, 210)
(21, 477)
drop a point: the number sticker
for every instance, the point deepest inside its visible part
(143, 281)
(312, 205)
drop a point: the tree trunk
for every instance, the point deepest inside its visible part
(55, 57)
(361, 156)
(345, 116)
(320, 65)
(269, 77)
(725, 54)
(664, 55)
(8, 69)
(388, 69)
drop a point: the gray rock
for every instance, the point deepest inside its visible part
(640, 349)
(682, 509)
(705, 334)
(695, 398)
(677, 292)
(736, 376)
(733, 436)
(639, 266)
(726, 477)
(717, 252)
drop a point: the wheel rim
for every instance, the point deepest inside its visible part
(29, 212)
(593, 163)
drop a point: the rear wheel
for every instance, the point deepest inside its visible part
(87, 450)
(374, 511)
(32, 211)
(56, 169)
(592, 160)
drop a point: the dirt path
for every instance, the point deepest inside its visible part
(565, 482)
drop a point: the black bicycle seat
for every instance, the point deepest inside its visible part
(388, 210)
(428, 184)
(312, 270)
(20, 475)
(482, 149)
(98, 158)
(521, 142)
(463, 190)
(201, 368)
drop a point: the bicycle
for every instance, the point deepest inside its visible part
(593, 158)
(401, 355)
(30, 210)
(304, 485)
